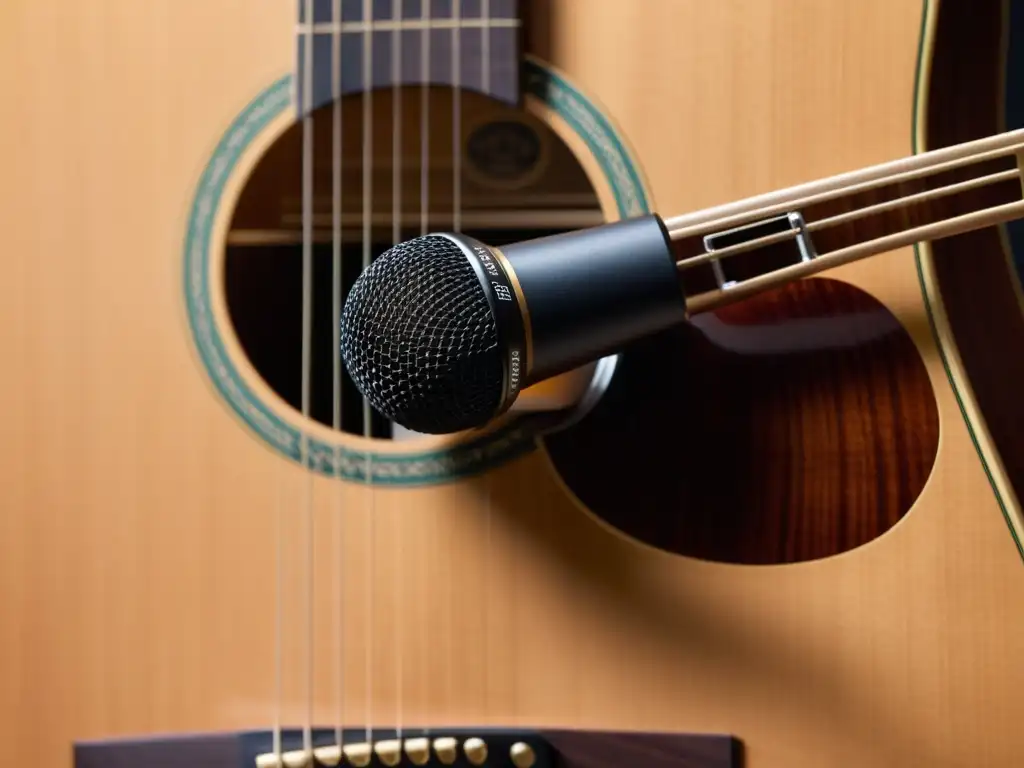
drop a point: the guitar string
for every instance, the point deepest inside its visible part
(337, 278)
(456, 63)
(425, 120)
(396, 237)
(307, 324)
(456, 116)
(282, 495)
(367, 414)
(485, 78)
(425, 36)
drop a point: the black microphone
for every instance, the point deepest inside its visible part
(442, 332)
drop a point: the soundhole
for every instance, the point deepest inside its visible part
(517, 180)
(793, 426)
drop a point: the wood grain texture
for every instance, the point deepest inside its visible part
(793, 426)
(139, 519)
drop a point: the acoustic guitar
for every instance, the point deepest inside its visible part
(783, 534)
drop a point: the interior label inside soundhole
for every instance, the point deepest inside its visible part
(504, 152)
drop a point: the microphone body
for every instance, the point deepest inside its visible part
(441, 333)
(565, 300)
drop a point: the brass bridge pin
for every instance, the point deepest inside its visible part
(476, 751)
(447, 749)
(329, 755)
(358, 754)
(389, 752)
(522, 755)
(418, 751)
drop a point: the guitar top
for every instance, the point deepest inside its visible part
(784, 534)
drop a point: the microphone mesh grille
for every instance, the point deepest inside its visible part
(419, 340)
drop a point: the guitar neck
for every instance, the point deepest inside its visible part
(731, 252)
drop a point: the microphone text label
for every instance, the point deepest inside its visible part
(513, 381)
(486, 260)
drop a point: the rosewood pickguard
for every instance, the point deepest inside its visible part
(795, 425)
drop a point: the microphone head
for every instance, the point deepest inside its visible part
(420, 339)
(442, 333)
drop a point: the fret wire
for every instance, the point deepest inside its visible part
(494, 35)
(333, 28)
(324, 11)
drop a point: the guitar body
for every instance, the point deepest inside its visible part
(795, 523)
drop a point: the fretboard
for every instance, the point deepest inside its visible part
(359, 45)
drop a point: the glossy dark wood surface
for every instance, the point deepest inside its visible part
(551, 748)
(974, 271)
(791, 426)
(593, 749)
